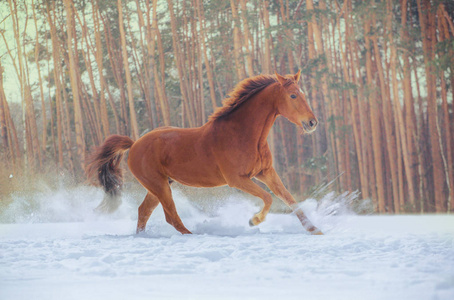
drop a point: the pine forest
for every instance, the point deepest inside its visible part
(379, 76)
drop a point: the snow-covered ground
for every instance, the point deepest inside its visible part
(55, 247)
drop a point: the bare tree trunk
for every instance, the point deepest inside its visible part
(398, 112)
(248, 42)
(198, 49)
(121, 119)
(58, 91)
(410, 117)
(237, 45)
(354, 115)
(80, 142)
(32, 145)
(375, 123)
(93, 108)
(99, 63)
(203, 42)
(3, 128)
(43, 106)
(428, 35)
(143, 75)
(132, 110)
(154, 33)
(267, 55)
(423, 184)
(449, 168)
(318, 52)
(67, 130)
(357, 108)
(387, 120)
(8, 135)
(189, 107)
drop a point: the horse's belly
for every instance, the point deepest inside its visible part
(193, 167)
(201, 183)
(197, 177)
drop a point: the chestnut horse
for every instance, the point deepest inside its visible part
(230, 149)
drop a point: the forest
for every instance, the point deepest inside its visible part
(379, 76)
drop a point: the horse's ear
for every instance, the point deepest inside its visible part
(282, 80)
(297, 76)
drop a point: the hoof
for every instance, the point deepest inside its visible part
(255, 221)
(184, 232)
(317, 232)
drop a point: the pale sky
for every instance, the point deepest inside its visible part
(10, 80)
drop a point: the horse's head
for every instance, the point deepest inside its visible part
(292, 103)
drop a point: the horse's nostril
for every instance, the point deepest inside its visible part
(313, 123)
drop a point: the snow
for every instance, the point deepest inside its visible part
(53, 246)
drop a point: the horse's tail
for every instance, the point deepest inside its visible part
(105, 163)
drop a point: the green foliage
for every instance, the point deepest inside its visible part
(444, 60)
(317, 67)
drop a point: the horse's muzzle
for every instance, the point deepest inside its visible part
(310, 126)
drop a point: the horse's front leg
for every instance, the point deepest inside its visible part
(272, 180)
(247, 185)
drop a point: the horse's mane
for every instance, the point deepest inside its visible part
(243, 91)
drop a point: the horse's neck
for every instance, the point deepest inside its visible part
(255, 118)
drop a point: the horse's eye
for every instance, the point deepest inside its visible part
(293, 96)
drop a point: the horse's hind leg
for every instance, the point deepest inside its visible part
(145, 210)
(170, 211)
(161, 190)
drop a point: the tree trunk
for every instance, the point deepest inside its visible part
(203, 42)
(449, 168)
(58, 91)
(31, 142)
(159, 86)
(428, 35)
(177, 54)
(100, 65)
(267, 55)
(80, 142)
(237, 42)
(8, 135)
(132, 111)
(375, 123)
(43, 106)
(117, 67)
(390, 139)
(410, 117)
(248, 42)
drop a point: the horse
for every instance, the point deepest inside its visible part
(230, 149)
